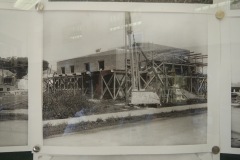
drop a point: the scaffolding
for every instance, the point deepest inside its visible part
(174, 77)
(172, 81)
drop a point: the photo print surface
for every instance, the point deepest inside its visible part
(13, 78)
(124, 79)
(235, 82)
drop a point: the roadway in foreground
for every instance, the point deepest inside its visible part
(191, 129)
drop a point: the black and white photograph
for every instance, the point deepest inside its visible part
(13, 78)
(196, 156)
(124, 78)
(144, 1)
(235, 83)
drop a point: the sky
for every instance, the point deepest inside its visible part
(70, 34)
(13, 33)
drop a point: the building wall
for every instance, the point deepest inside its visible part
(113, 59)
(120, 59)
(5, 88)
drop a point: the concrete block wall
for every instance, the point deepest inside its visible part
(5, 88)
(113, 59)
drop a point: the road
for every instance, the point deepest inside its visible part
(13, 133)
(169, 131)
(235, 127)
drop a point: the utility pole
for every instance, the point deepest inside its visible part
(128, 31)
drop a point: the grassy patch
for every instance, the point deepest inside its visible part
(12, 102)
(64, 104)
(67, 103)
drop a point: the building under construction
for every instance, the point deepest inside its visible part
(140, 73)
(158, 74)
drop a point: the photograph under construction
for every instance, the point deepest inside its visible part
(134, 93)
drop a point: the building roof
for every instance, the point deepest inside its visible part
(236, 85)
(152, 51)
(159, 52)
(6, 73)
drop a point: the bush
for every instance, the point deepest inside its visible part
(65, 104)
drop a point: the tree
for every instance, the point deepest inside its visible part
(45, 65)
(17, 65)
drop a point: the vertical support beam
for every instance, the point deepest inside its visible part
(127, 31)
(82, 85)
(191, 84)
(91, 83)
(74, 85)
(101, 85)
(114, 85)
(53, 79)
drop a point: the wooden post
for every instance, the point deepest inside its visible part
(74, 86)
(101, 84)
(191, 84)
(114, 85)
(82, 86)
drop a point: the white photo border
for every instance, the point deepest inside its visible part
(205, 156)
(35, 83)
(134, 6)
(32, 47)
(225, 110)
(213, 112)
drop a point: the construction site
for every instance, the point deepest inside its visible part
(138, 73)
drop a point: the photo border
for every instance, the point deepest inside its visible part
(37, 155)
(35, 84)
(213, 113)
(31, 46)
(225, 108)
(133, 6)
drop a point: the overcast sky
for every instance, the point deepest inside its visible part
(70, 34)
(13, 33)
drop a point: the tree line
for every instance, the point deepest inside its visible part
(18, 65)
